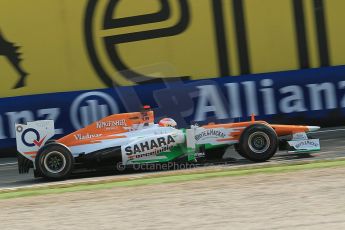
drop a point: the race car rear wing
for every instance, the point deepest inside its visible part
(30, 137)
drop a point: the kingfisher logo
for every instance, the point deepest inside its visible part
(31, 137)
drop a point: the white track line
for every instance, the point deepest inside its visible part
(326, 131)
(128, 177)
(7, 164)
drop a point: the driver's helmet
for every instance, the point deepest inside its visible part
(167, 122)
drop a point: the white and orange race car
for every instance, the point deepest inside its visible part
(134, 138)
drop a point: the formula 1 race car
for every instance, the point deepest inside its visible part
(134, 138)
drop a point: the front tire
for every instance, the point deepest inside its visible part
(258, 143)
(54, 162)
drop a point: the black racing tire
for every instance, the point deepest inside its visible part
(37, 174)
(54, 162)
(50, 141)
(237, 148)
(258, 143)
(215, 153)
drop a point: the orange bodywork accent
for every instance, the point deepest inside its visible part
(31, 154)
(238, 127)
(233, 136)
(233, 125)
(281, 130)
(105, 128)
(116, 126)
(252, 117)
(91, 140)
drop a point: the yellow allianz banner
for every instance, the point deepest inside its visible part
(64, 45)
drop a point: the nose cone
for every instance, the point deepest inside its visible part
(313, 128)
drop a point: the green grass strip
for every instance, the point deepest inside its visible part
(160, 179)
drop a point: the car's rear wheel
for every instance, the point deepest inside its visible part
(258, 143)
(50, 141)
(54, 162)
(215, 153)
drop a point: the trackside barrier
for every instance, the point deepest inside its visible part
(312, 96)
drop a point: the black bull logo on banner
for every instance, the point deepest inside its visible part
(9, 50)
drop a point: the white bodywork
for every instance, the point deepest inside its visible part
(301, 143)
(32, 135)
(141, 137)
(144, 143)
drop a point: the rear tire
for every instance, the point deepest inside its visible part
(37, 174)
(50, 141)
(54, 162)
(237, 149)
(215, 153)
(258, 143)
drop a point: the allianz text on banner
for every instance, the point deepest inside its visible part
(314, 96)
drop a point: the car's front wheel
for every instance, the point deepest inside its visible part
(54, 162)
(258, 143)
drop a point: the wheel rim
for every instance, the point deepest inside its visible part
(54, 162)
(259, 142)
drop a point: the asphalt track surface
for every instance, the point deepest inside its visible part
(332, 147)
